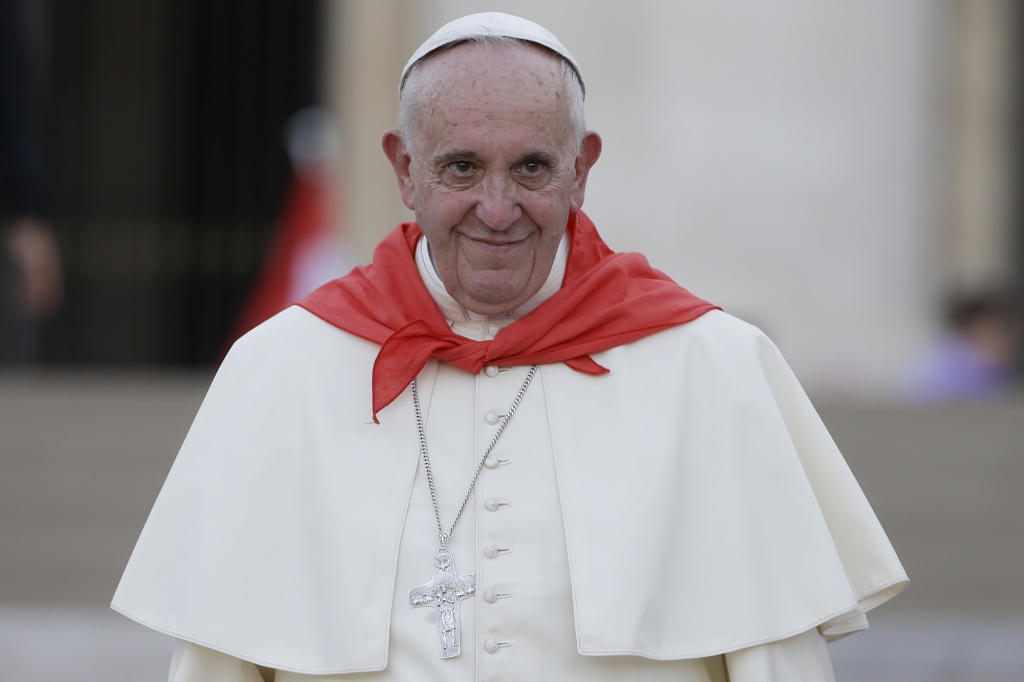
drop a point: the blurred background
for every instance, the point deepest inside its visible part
(844, 175)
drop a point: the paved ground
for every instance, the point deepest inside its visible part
(82, 457)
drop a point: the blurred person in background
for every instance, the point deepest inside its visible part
(664, 504)
(307, 249)
(974, 358)
(30, 266)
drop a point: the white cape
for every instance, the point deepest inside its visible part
(706, 507)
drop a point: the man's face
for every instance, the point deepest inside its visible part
(491, 171)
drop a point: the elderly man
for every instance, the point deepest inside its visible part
(503, 451)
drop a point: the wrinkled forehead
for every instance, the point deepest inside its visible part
(488, 87)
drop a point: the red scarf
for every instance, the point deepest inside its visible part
(607, 299)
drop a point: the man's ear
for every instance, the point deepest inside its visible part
(395, 149)
(590, 151)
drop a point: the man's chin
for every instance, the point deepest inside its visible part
(493, 298)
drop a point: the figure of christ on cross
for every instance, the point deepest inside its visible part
(444, 593)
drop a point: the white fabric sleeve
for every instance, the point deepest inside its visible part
(803, 658)
(193, 663)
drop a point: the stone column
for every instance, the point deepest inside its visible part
(367, 44)
(980, 247)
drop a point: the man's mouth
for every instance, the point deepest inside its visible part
(496, 245)
(500, 239)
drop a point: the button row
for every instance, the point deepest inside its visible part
(491, 504)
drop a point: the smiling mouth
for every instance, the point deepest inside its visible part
(495, 244)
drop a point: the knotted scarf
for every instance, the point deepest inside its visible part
(607, 299)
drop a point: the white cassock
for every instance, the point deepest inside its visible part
(683, 516)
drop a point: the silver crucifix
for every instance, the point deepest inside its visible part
(444, 593)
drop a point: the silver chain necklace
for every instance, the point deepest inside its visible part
(448, 588)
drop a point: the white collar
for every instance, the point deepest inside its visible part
(454, 312)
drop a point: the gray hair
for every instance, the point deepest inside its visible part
(411, 100)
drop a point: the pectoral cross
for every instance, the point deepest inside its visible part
(444, 593)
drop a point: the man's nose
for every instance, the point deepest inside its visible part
(498, 205)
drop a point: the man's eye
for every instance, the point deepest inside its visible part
(461, 167)
(532, 167)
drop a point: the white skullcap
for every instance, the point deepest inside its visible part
(490, 24)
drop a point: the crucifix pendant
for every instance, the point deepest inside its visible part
(444, 593)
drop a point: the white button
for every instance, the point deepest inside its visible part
(490, 551)
(490, 596)
(493, 646)
(491, 417)
(491, 461)
(491, 504)
(492, 330)
(491, 371)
